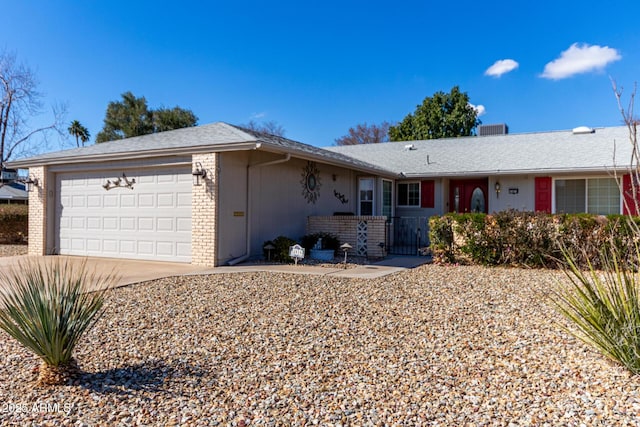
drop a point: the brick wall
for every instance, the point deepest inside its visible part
(204, 212)
(346, 228)
(37, 212)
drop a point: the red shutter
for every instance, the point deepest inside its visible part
(629, 206)
(427, 190)
(543, 194)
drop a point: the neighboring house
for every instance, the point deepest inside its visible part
(13, 193)
(259, 186)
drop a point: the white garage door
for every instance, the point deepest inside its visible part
(150, 221)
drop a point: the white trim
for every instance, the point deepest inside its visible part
(586, 179)
(373, 194)
(419, 194)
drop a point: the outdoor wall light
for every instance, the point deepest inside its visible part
(198, 174)
(30, 183)
(497, 187)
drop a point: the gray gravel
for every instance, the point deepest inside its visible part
(13, 250)
(435, 346)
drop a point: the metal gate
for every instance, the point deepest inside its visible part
(407, 235)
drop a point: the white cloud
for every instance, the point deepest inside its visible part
(480, 110)
(580, 58)
(260, 115)
(501, 67)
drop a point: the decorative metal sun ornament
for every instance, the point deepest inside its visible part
(311, 182)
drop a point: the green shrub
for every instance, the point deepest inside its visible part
(14, 223)
(441, 238)
(329, 241)
(604, 304)
(281, 251)
(47, 307)
(531, 239)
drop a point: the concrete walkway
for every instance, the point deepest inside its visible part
(134, 271)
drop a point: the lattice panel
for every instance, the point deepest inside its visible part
(361, 236)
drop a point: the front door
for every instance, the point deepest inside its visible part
(468, 195)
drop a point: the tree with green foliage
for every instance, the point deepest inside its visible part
(80, 132)
(443, 115)
(133, 117)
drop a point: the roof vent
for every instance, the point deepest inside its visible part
(489, 130)
(582, 130)
(410, 147)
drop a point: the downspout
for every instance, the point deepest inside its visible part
(248, 204)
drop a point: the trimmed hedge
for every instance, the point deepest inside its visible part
(14, 223)
(529, 239)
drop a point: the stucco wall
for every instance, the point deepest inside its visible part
(277, 205)
(522, 200)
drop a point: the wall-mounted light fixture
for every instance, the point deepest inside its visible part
(497, 188)
(199, 173)
(31, 182)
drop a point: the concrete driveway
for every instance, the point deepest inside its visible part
(127, 271)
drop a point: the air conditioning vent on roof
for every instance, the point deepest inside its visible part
(489, 130)
(582, 130)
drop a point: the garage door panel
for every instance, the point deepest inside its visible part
(127, 201)
(110, 201)
(151, 221)
(165, 200)
(183, 224)
(146, 200)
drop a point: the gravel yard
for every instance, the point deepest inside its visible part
(13, 250)
(445, 346)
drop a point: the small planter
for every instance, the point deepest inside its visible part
(322, 254)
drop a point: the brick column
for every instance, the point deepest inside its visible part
(204, 214)
(38, 212)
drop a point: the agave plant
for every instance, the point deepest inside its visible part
(604, 306)
(47, 306)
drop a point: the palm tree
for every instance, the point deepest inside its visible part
(80, 132)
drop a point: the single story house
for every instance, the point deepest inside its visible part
(213, 194)
(13, 193)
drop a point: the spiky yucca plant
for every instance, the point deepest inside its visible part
(47, 306)
(604, 306)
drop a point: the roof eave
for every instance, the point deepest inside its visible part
(301, 154)
(132, 155)
(498, 172)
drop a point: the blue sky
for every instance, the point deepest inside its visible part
(320, 67)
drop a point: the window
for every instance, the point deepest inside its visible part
(366, 196)
(387, 198)
(409, 194)
(595, 195)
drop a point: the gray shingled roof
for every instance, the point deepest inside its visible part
(12, 192)
(544, 152)
(206, 138)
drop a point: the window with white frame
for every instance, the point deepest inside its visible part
(599, 196)
(409, 194)
(365, 196)
(387, 198)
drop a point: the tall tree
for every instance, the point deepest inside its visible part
(271, 127)
(80, 132)
(20, 101)
(133, 117)
(365, 134)
(441, 116)
(174, 118)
